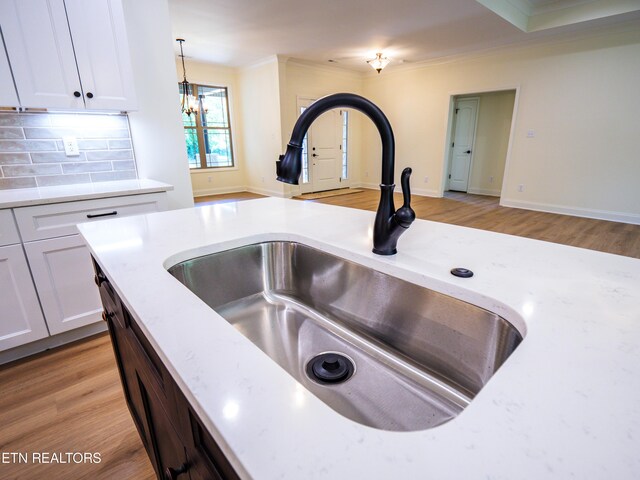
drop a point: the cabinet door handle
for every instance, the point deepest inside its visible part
(171, 473)
(99, 279)
(89, 95)
(106, 316)
(96, 215)
(77, 94)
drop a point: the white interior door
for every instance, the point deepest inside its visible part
(325, 154)
(322, 151)
(466, 113)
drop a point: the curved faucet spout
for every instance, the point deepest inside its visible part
(389, 225)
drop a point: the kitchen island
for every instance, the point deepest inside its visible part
(566, 404)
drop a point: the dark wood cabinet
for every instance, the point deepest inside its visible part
(176, 441)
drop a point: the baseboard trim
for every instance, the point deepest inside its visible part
(218, 191)
(264, 191)
(484, 191)
(51, 342)
(421, 192)
(621, 217)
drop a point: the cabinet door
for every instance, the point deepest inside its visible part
(127, 363)
(63, 274)
(102, 51)
(8, 96)
(21, 320)
(171, 458)
(8, 231)
(36, 35)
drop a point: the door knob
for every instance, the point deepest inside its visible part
(314, 155)
(468, 151)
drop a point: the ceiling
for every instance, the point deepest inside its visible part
(242, 32)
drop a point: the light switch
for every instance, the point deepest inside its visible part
(70, 146)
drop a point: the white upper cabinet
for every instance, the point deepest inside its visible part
(69, 54)
(8, 97)
(37, 39)
(102, 51)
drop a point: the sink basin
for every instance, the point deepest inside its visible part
(417, 357)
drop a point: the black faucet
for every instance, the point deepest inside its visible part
(389, 223)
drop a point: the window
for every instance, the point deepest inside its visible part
(345, 131)
(305, 154)
(208, 132)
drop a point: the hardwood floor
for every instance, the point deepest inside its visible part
(69, 400)
(483, 212)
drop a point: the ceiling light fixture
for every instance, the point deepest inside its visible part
(379, 62)
(189, 104)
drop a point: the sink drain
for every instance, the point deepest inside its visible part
(330, 368)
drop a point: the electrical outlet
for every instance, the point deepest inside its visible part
(490, 179)
(209, 179)
(531, 133)
(366, 173)
(70, 146)
(426, 179)
(521, 188)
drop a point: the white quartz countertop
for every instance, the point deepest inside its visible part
(21, 197)
(566, 404)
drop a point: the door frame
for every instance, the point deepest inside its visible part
(452, 135)
(449, 123)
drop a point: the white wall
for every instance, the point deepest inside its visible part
(219, 180)
(261, 127)
(579, 97)
(156, 128)
(491, 143)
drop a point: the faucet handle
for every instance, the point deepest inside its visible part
(405, 214)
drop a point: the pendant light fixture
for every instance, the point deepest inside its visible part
(379, 62)
(188, 104)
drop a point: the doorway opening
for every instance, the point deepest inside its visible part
(479, 141)
(325, 158)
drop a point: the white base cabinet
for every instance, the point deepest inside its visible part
(21, 319)
(63, 275)
(59, 264)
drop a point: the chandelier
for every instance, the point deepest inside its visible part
(379, 62)
(188, 104)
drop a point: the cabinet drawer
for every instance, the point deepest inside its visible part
(59, 219)
(8, 231)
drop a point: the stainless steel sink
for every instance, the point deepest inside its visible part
(420, 357)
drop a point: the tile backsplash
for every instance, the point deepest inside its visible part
(32, 153)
